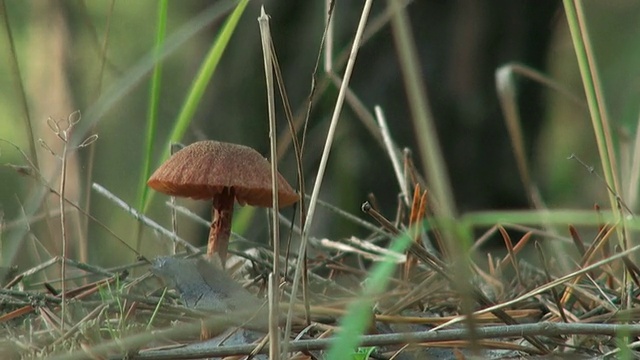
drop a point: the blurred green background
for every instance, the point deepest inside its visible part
(59, 47)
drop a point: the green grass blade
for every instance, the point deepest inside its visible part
(559, 217)
(17, 77)
(353, 325)
(595, 99)
(200, 83)
(154, 97)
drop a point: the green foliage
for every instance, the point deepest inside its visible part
(353, 325)
(112, 296)
(363, 353)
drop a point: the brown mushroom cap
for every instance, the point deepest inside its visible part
(204, 169)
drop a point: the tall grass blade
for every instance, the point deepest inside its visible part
(17, 77)
(595, 100)
(200, 83)
(154, 97)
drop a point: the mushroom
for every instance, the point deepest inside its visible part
(222, 172)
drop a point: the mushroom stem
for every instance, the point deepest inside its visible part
(221, 216)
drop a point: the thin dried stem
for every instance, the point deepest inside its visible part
(393, 153)
(327, 149)
(274, 277)
(63, 268)
(142, 218)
